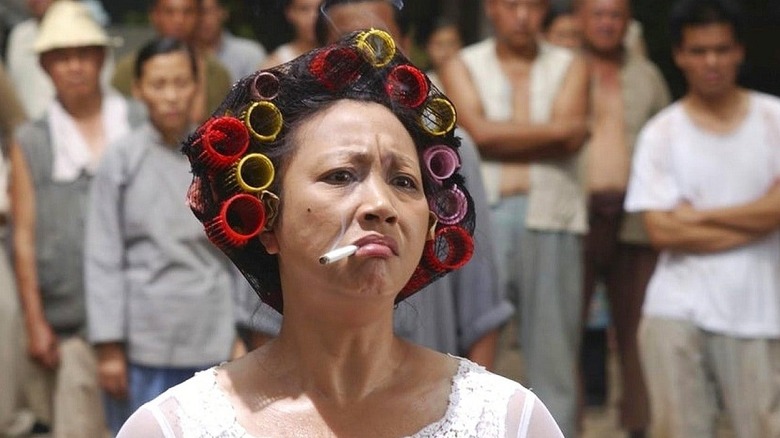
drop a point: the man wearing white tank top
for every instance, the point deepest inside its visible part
(524, 103)
(706, 176)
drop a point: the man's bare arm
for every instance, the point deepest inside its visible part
(42, 343)
(507, 141)
(572, 103)
(668, 231)
(760, 216)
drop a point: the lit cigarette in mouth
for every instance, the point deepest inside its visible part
(338, 254)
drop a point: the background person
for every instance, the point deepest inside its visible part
(626, 90)
(562, 27)
(706, 177)
(179, 19)
(13, 418)
(52, 162)
(240, 56)
(525, 102)
(302, 16)
(158, 293)
(441, 40)
(33, 85)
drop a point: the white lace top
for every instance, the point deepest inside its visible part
(481, 405)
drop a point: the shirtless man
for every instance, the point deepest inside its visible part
(626, 91)
(525, 102)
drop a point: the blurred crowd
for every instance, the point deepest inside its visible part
(603, 207)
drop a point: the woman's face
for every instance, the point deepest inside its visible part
(354, 179)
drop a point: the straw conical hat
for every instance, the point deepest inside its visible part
(69, 24)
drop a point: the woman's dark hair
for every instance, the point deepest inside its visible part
(688, 13)
(163, 46)
(255, 129)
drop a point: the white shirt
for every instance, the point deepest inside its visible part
(33, 85)
(734, 292)
(481, 405)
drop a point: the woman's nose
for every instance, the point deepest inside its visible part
(377, 204)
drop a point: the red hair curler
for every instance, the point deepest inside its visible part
(407, 85)
(241, 218)
(450, 249)
(224, 139)
(336, 67)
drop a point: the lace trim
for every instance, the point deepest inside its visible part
(476, 407)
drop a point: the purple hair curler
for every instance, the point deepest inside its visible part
(265, 86)
(450, 205)
(441, 161)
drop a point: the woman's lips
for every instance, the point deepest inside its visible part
(376, 246)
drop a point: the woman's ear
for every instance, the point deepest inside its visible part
(268, 236)
(271, 204)
(269, 241)
(433, 220)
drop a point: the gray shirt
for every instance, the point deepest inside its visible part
(153, 279)
(455, 311)
(241, 56)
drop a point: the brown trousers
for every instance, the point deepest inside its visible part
(688, 370)
(68, 398)
(625, 270)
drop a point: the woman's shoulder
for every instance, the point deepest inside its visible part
(195, 406)
(477, 404)
(474, 378)
(484, 404)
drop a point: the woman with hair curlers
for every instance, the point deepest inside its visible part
(158, 292)
(360, 215)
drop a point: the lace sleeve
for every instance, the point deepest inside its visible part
(528, 417)
(143, 423)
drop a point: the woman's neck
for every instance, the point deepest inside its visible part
(341, 360)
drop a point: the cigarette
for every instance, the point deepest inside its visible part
(338, 254)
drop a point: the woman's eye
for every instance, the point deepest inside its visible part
(404, 182)
(339, 177)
